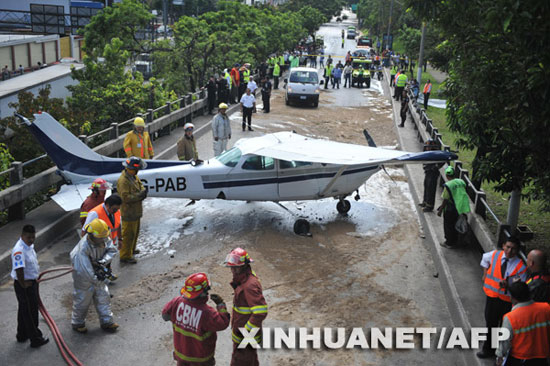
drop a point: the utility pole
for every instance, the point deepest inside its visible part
(165, 17)
(421, 54)
(513, 209)
(389, 26)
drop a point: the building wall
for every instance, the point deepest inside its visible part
(5, 57)
(58, 90)
(65, 45)
(21, 55)
(36, 53)
(51, 52)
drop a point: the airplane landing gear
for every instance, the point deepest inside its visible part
(343, 206)
(301, 227)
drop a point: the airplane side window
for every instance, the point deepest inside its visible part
(285, 164)
(259, 163)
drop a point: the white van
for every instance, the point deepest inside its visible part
(302, 85)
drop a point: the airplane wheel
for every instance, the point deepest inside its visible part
(343, 207)
(301, 227)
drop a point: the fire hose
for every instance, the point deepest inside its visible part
(66, 353)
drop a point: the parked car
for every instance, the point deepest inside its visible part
(302, 85)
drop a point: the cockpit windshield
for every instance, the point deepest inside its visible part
(231, 157)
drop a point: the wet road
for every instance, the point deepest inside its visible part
(368, 269)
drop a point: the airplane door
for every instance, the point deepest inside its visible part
(255, 180)
(297, 180)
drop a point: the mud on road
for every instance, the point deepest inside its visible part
(369, 268)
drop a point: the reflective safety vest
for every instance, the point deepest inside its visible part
(328, 71)
(246, 75)
(427, 88)
(227, 77)
(281, 60)
(531, 331)
(491, 287)
(139, 145)
(101, 211)
(401, 80)
(457, 188)
(277, 70)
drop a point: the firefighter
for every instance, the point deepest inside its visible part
(186, 145)
(195, 323)
(249, 306)
(99, 187)
(132, 192)
(109, 211)
(138, 142)
(89, 258)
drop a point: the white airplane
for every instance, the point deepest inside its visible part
(276, 167)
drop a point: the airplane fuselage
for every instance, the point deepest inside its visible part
(249, 177)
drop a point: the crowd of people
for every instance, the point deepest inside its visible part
(517, 292)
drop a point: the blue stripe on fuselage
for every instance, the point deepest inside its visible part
(279, 180)
(67, 161)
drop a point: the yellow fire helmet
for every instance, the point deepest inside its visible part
(98, 229)
(222, 106)
(139, 122)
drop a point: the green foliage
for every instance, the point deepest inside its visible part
(311, 19)
(329, 8)
(107, 92)
(22, 146)
(498, 86)
(121, 20)
(5, 161)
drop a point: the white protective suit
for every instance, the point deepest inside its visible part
(86, 285)
(221, 129)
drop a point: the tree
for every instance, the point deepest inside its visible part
(329, 8)
(311, 19)
(126, 21)
(107, 92)
(498, 86)
(22, 146)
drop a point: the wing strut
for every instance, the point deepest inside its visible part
(333, 180)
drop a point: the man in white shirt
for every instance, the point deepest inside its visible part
(501, 268)
(25, 271)
(252, 85)
(248, 104)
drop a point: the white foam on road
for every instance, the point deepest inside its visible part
(168, 221)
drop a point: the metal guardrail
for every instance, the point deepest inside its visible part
(12, 198)
(479, 198)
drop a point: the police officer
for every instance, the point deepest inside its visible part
(266, 93)
(25, 272)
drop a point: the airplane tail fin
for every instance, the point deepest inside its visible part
(370, 140)
(72, 155)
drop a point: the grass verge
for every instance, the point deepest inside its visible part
(531, 213)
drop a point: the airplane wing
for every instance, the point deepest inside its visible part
(70, 197)
(293, 147)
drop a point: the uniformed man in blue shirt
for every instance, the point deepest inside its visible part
(25, 271)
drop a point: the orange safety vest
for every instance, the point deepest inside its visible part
(493, 277)
(427, 88)
(102, 214)
(531, 331)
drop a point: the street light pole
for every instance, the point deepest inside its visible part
(389, 26)
(421, 55)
